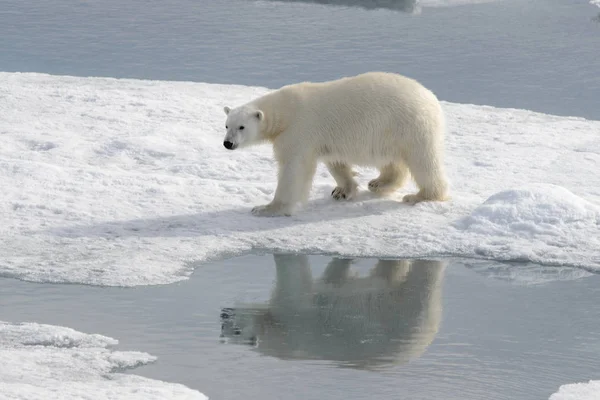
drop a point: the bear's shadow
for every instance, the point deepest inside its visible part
(233, 220)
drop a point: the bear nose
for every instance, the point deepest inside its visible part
(228, 145)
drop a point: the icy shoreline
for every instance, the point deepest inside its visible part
(126, 182)
(49, 362)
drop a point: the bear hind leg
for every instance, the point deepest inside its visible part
(428, 173)
(391, 177)
(344, 177)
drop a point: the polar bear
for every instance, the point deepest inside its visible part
(385, 318)
(376, 119)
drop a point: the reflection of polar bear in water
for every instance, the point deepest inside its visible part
(391, 316)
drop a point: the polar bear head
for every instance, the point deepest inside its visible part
(239, 325)
(243, 126)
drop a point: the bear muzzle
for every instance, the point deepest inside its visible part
(229, 145)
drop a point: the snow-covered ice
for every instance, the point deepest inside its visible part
(595, 2)
(126, 182)
(578, 391)
(45, 362)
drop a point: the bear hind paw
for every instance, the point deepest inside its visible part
(269, 210)
(415, 198)
(382, 186)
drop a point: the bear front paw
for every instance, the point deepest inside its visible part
(268, 210)
(340, 193)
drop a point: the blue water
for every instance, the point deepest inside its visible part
(541, 55)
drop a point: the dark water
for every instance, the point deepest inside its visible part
(290, 327)
(540, 54)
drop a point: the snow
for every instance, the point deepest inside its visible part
(578, 391)
(126, 182)
(595, 2)
(45, 362)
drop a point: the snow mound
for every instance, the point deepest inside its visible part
(536, 210)
(578, 391)
(540, 223)
(45, 362)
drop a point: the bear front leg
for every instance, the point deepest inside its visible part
(293, 186)
(337, 271)
(346, 187)
(293, 283)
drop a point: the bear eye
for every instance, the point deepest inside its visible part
(226, 127)
(242, 128)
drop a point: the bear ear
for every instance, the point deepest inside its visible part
(226, 109)
(259, 114)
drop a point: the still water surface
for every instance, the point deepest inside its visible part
(541, 55)
(289, 327)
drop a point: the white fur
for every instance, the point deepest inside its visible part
(376, 119)
(388, 317)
